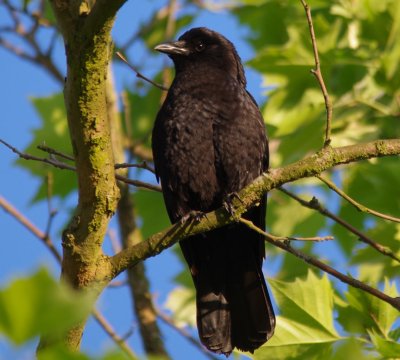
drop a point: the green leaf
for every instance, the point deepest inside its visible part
(261, 12)
(289, 342)
(351, 348)
(182, 303)
(151, 209)
(366, 312)
(297, 301)
(48, 13)
(38, 305)
(116, 355)
(395, 334)
(61, 352)
(144, 110)
(305, 328)
(386, 347)
(374, 267)
(384, 314)
(155, 33)
(292, 267)
(286, 217)
(378, 174)
(53, 133)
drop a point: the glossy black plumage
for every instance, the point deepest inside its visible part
(208, 142)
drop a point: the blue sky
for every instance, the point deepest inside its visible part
(20, 252)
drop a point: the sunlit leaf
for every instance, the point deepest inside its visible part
(366, 312)
(182, 303)
(305, 328)
(386, 347)
(351, 348)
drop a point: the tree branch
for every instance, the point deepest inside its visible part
(317, 73)
(357, 205)
(52, 151)
(33, 52)
(102, 13)
(395, 302)
(316, 205)
(31, 227)
(102, 321)
(170, 322)
(315, 164)
(140, 75)
(60, 165)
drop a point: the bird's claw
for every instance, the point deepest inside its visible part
(193, 215)
(228, 203)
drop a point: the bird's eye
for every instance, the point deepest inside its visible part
(200, 46)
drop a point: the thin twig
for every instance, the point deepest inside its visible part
(138, 183)
(111, 332)
(170, 322)
(289, 238)
(52, 43)
(115, 242)
(139, 75)
(285, 245)
(30, 226)
(143, 165)
(63, 166)
(16, 50)
(31, 50)
(314, 204)
(12, 11)
(169, 31)
(357, 205)
(317, 73)
(25, 156)
(117, 284)
(52, 212)
(52, 151)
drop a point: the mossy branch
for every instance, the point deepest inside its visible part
(315, 164)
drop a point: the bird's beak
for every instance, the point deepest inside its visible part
(173, 48)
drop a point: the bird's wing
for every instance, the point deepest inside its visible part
(240, 142)
(184, 155)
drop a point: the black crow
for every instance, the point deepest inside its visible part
(208, 143)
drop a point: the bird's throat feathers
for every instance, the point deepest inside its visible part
(213, 69)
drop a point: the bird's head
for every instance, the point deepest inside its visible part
(203, 47)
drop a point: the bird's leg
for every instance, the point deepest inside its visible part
(193, 215)
(228, 203)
